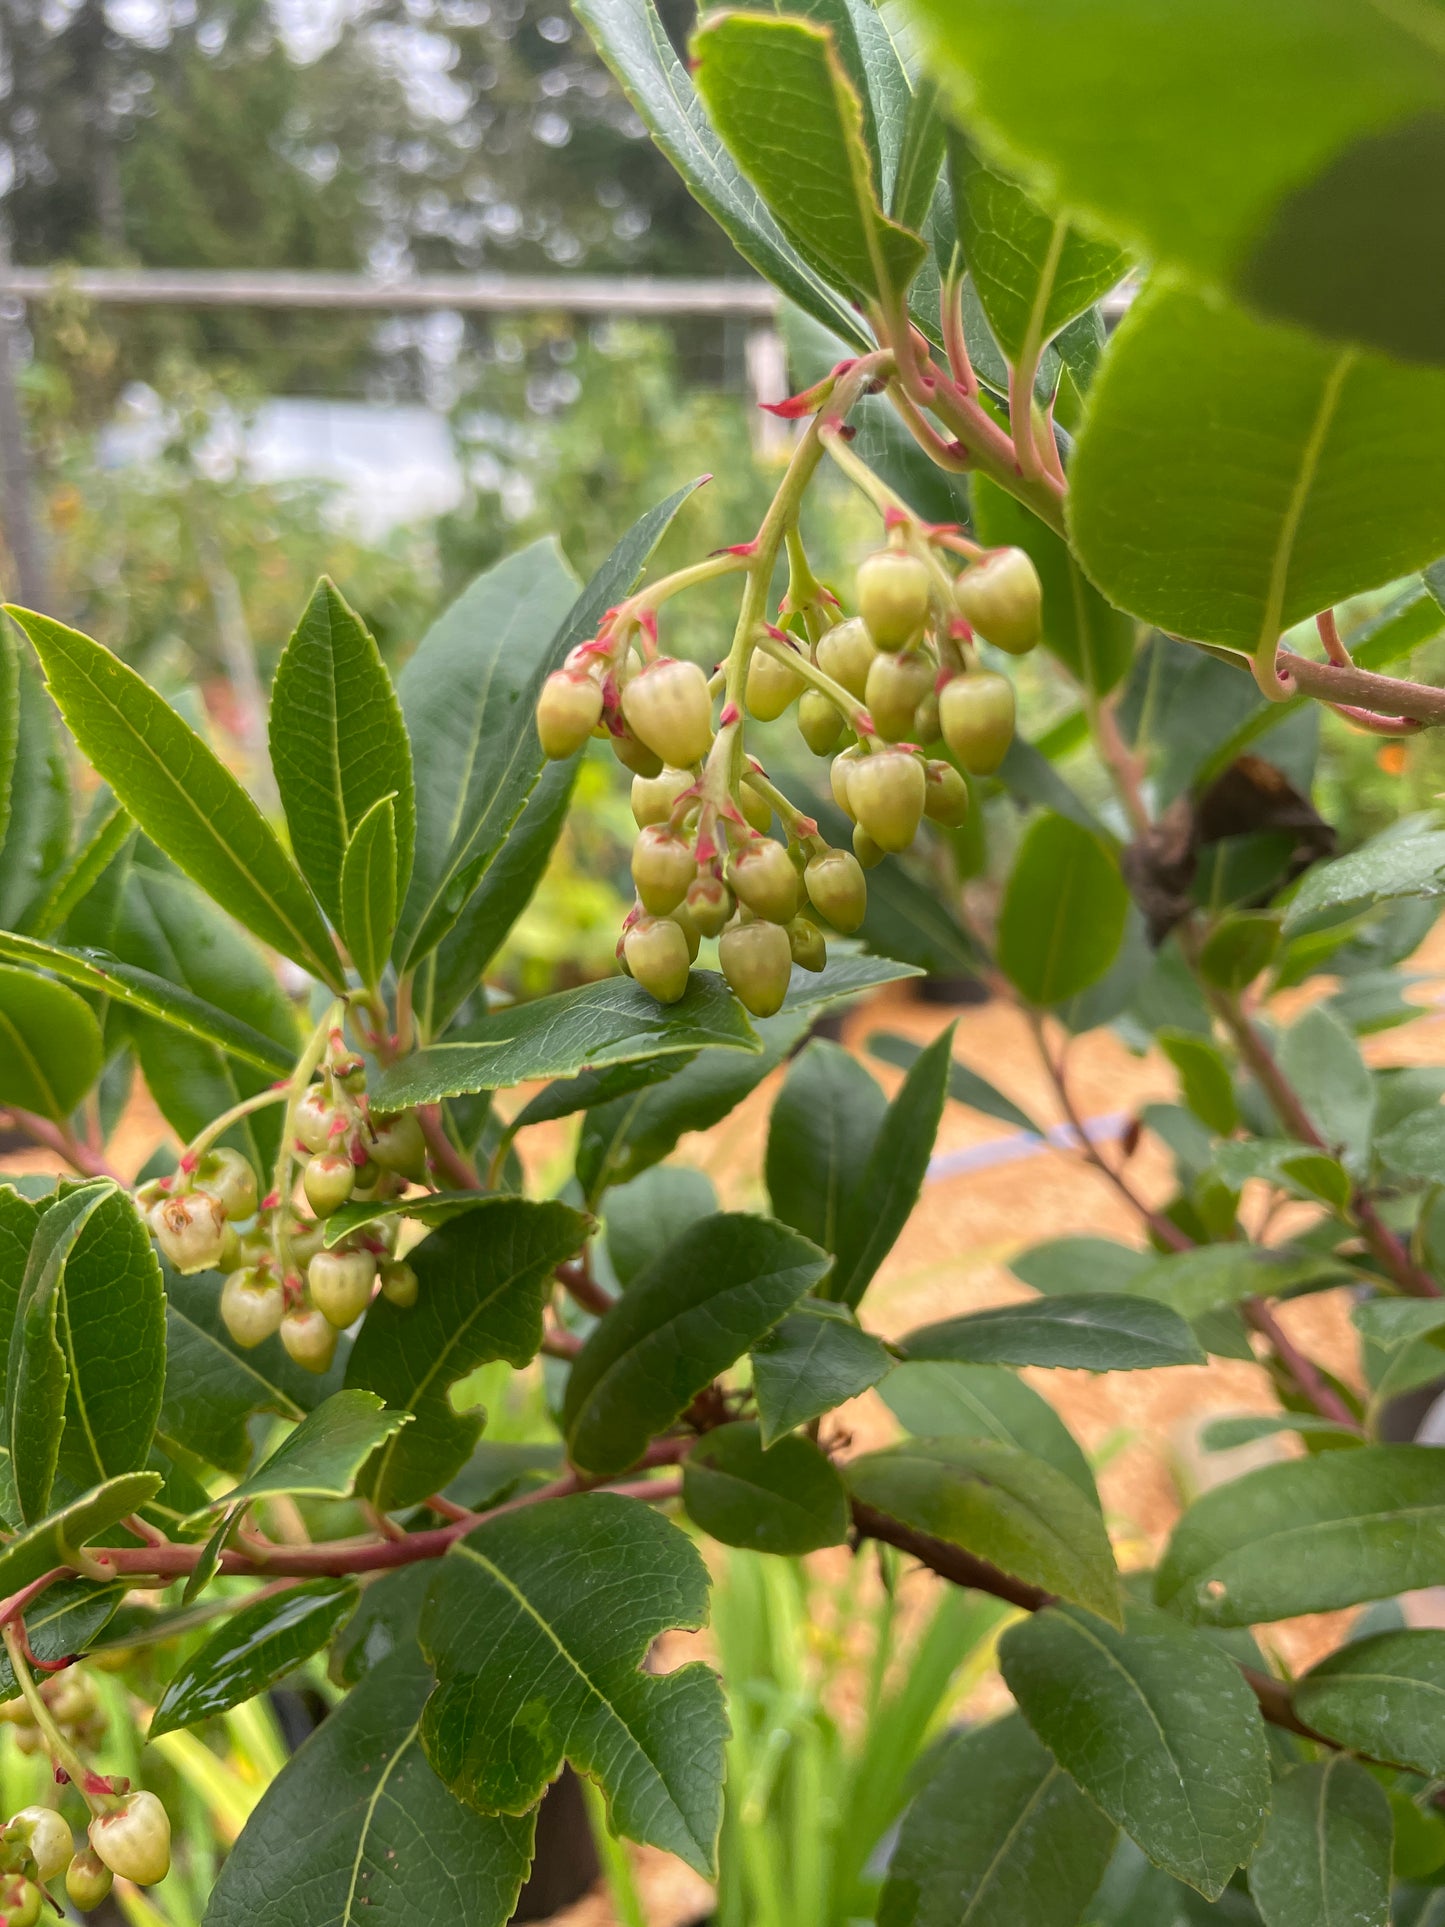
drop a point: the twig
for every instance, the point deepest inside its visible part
(459, 1171)
(63, 1141)
(1307, 1376)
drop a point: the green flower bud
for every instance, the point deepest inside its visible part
(839, 772)
(635, 755)
(819, 723)
(568, 710)
(977, 714)
(763, 878)
(687, 924)
(396, 1143)
(1002, 599)
(399, 1283)
(806, 942)
(662, 868)
(654, 796)
(230, 1180)
(945, 795)
(896, 686)
(887, 791)
(340, 1284)
(925, 721)
(190, 1230)
(328, 1181)
(845, 653)
(251, 1306)
(314, 1116)
(47, 1840)
(134, 1839)
(19, 1902)
(757, 960)
(709, 904)
(771, 686)
(657, 956)
(87, 1880)
(893, 596)
(757, 810)
(837, 890)
(309, 1338)
(865, 849)
(305, 1237)
(669, 708)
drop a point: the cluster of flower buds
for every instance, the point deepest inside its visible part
(74, 1706)
(281, 1275)
(873, 690)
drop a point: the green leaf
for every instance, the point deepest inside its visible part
(999, 1835)
(180, 793)
(1384, 869)
(368, 899)
(881, 1202)
(1290, 1165)
(35, 797)
(1383, 1695)
(1240, 946)
(1343, 453)
(1157, 1725)
(37, 1373)
(1034, 271)
(1093, 641)
(483, 1282)
(691, 1314)
(811, 1361)
(1322, 1061)
(921, 157)
(1015, 1510)
(1309, 1536)
(1061, 1267)
(985, 1402)
(1063, 912)
(965, 1086)
(50, 1542)
(322, 1457)
(825, 1123)
(1227, 1434)
(143, 991)
(253, 1650)
(1200, 1281)
(588, 1089)
(647, 1216)
(65, 1620)
(787, 1499)
(782, 101)
(429, 1207)
(338, 746)
(384, 1844)
(1415, 1148)
(543, 1618)
(1292, 152)
(1324, 1860)
(50, 1044)
(1093, 1332)
(100, 846)
(9, 725)
(1204, 1078)
(611, 1022)
(633, 41)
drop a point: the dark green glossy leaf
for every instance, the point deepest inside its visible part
(1093, 1332)
(787, 1499)
(1015, 1510)
(885, 1192)
(50, 1044)
(431, 1207)
(1063, 912)
(781, 98)
(999, 1835)
(338, 745)
(1309, 1536)
(691, 1314)
(483, 1281)
(384, 1623)
(985, 1402)
(254, 1649)
(1384, 1696)
(1073, 1266)
(812, 1360)
(1324, 1860)
(384, 1844)
(648, 1215)
(321, 1458)
(40, 1547)
(1387, 868)
(18, 1219)
(65, 1620)
(824, 1126)
(180, 793)
(965, 1086)
(1154, 1722)
(544, 1617)
(920, 159)
(367, 891)
(611, 1022)
(588, 1089)
(35, 798)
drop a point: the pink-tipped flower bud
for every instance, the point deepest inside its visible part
(46, 1838)
(87, 1880)
(762, 877)
(896, 686)
(669, 709)
(757, 960)
(251, 1306)
(654, 796)
(810, 952)
(568, 710)
(709, 903)
(819, 723)
(657, 957)
(662, 868)
(190, 1230)
(887, 791)
(945, 795)
(771, 687)
(399, 1283)
(230, 1180)
(340, 1284)
(893, 596)
(396, 1143)
(846, 653)
(134, 1839)
(328, 1181)
(977, 716)
(309, 1338)
(1003, 599)
(837, 890)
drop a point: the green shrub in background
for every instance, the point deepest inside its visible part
(1230, 535)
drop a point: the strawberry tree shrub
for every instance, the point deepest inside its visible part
(270, 1327)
